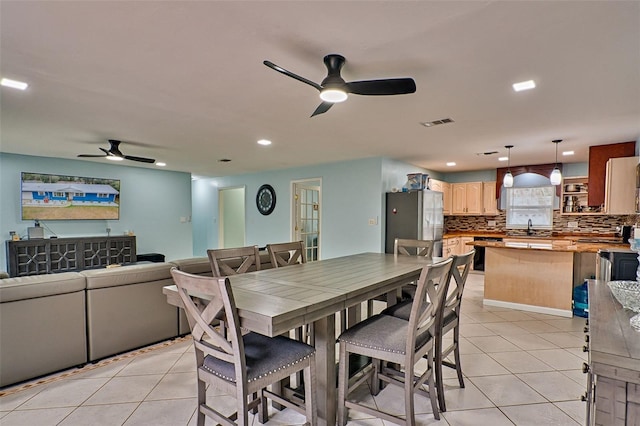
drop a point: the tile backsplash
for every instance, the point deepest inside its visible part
(587, 224)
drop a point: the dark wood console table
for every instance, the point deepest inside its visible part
(45, 256)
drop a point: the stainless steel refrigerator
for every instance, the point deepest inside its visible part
(414, 215)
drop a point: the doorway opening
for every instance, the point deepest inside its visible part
(231, 211)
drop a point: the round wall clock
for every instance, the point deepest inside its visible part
(266, 199)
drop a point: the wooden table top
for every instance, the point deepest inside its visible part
(274, 301)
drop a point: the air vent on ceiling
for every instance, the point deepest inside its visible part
(487, 153)
(437, 122)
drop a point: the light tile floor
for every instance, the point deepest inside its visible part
(520, 368)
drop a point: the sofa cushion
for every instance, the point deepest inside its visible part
(32, 286)
(125, 275)
(194, 265)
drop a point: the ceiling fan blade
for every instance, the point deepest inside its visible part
(91, 156)
(322, 108)
(139, 159)
(292, 75)
(389, 86)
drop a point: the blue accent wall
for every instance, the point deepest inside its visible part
(152, 203)
(352, 193)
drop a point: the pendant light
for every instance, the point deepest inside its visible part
(508, 177)
(556, 176)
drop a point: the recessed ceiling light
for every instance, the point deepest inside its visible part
(13, 84)
(568, 153)
(524, 85)
(264, 142)
(114, 158)
(503, 158)
(451, 164)
(160, 164)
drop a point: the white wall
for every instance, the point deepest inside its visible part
(152, 203)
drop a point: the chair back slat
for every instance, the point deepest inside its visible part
(459, 272)
(408, 247)
(209, 339)
(222, 260)
(285, 254)
(426, 308)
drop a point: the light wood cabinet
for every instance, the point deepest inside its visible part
(449, 246)
(598, 157)
(467, 198)
(489, 201)
(445, 188)
(463, 247)
(620, 185)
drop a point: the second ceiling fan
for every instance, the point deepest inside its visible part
(334, 89)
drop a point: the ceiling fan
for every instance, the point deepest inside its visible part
(334, 89)
(114, 153)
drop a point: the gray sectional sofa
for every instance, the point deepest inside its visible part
(57, 321)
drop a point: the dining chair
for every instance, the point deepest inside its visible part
(388, 339)
(450, 321)
(286, 254)
(406, 247)
(239, 364)
(232, 261)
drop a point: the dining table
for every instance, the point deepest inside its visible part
(273, 301)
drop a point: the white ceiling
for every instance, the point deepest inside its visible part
(183, 82)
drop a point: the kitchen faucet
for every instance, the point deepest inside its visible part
(529, 227)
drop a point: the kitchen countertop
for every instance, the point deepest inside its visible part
(613, 342)
(554, 246)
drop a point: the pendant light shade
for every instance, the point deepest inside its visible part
(507, 182)
(556, 176)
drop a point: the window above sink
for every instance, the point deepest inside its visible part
(533, 204)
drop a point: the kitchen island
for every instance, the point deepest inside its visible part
(537, 275)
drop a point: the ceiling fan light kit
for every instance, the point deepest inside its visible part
(334, 89)
(333, 95)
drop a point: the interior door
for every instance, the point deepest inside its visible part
(306, 216)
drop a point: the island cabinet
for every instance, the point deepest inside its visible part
(613, 389)
(467, 198)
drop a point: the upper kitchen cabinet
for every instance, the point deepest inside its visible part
(620, 185)
(445, 188)
(598, 157)
(489, 201)
(467, 198)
